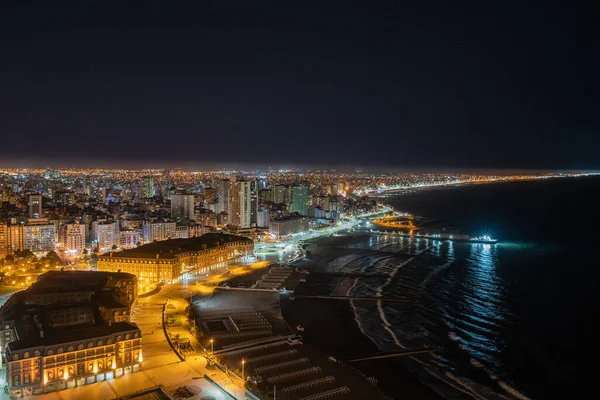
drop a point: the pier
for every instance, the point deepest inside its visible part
(392, 355)
(386, 299)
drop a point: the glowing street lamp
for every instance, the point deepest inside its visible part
(212, 348)
(243, 363)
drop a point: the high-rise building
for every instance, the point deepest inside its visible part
(182, 206)
(105, 235)
(64, 198)
(262, 217)
(16, 238)
(240, 204)
(147, 187)
(159, 230)
(35, 206)
(11, 238)
(72, 237)
(222, 195)
(253, 202)
(40, 237)
(4, 240)
(281, 194)
(299, 203)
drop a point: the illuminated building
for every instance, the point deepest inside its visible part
(4, 240)
(222, 195)
(129, 239)
(147, 187)
(165, 261)
(281, 194)
(69, 329)
(35, 205)
(158, 230)
(240, 204)
(182, 206)
(288, 226)
(262, 217)
(64, 198)
(39, 236)
(105, 235)
(72, 237)
(299, 203)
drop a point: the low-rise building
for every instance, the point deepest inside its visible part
(167, 260)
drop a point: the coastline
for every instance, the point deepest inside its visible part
(330, 326)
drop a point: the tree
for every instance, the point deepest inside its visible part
(114, 247)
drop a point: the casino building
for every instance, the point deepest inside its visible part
(167, 260)
(69, 329)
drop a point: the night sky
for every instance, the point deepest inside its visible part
(441, 84)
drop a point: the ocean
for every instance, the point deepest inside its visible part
(504, 319)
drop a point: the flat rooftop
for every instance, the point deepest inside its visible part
(170, 249)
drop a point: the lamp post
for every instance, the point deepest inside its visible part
(212, 348)
(243, 363)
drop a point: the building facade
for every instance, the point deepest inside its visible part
(69, 329)
(158, 230)
(288, 226)
(81, 357)
(72, 237)
(166, 261)
(105, 235)
(40, 238)
(240, 204)
(182, 206)
(299, 203)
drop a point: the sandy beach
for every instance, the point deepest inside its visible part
(330, 326)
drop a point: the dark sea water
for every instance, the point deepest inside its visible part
(505, 319)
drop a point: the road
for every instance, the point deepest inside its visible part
(161, 366)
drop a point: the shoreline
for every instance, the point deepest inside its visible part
(457, 184)
(331, 327)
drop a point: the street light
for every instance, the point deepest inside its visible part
(243, 363)
(212, 348)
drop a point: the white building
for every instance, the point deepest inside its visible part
(72, 237)
(105, 235)
(164, 230)
(40, 237)
(240, 204)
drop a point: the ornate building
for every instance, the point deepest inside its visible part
(167, 260)
(69, 329)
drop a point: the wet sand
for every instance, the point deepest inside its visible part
(330, 326)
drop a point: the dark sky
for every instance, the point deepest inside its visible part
(440, 83)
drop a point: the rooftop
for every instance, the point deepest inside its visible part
(169, 249)
(71, 334)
